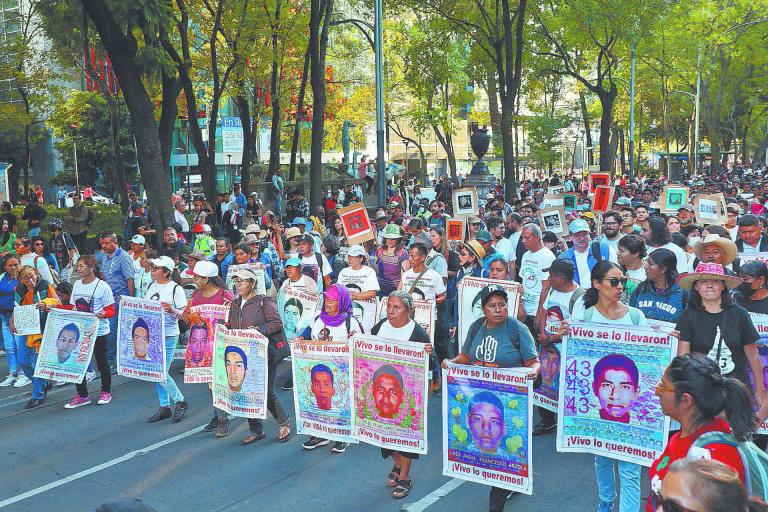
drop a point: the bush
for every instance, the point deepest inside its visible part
(106, 217)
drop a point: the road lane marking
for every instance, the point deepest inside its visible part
(100, 467)
(431, 498)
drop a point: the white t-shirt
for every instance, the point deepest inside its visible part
(397, 333)
(428, 287)
(363, 280)
(309, 268)
(636, 274)
(305, 284)
(532, 274)
(582, 266)
(556, 307)
(323, 332)
(734, 232)
(170, 293)
(504, 246)
(99, 295)
(181, 219)
(682, 257)
(514, 239)
(41, 266)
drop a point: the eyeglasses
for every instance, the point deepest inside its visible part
(661, 388)
(658, 502)
(39, 244)
(615, 281)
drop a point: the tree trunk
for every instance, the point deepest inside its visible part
(759, 154)
(606, 149)
(623, 153)
(118, 170)
(274, 139)
(244, 112)
(446, 141)
(300, 115)
(587, 131)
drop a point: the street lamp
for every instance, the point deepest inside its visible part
(407, 143)
(229, 169)
(73, 127)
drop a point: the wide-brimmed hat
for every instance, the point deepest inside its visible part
(708, 272)
(292, 232)
(475, 248)
(728, 247)
(391, 231)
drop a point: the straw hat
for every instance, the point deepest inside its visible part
(391, 231)
(475, 248)
(708, 272)
(728, 247)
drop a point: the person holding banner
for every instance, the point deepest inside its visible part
(251, 311)
(94, 295)
(8, 284)
(334, 323)
(171, 296)
(693, 392)
(399, 325)
(602, 304)
(498, 340)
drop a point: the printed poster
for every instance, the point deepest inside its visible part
(26, 320)
(365, 312)
(760, 322)
(390, 388)
(257, 268)
(470, 308)
(607, 403)
(67, 345)
(744, 257)
(198, 359)
(298, 309)
(424, 314)
(322, 389)
(141, 340)
(546, 394)
(487, 416)
(240, 372)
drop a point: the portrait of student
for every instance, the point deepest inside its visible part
(66, 342)
(323, 386)
(387, 391)
(292, 311)
(140, 336)
(485, 420)
(616, 384)
(550, 366)
(236, 364)
(198, 342)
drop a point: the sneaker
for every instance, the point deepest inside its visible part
(223, 430)
(104, 398)
(163, 413)
(179, 411)
(339, 447)
(34, 402)
(78, 401)
(212, 425)
(9, 380)
(22, 381)
(288, 384)
(605, 506)
(89, 376)
(541, 428)
(315, 442)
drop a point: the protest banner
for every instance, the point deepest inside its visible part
(141, 340)
(546, 394)
(710, 209)
(760, 321)
(240, 372)
(322, 389)
(470, 308)
(598, 179)
(746, 257)
(297, 309)
(487, 416)
(26, 320)
(390, 389)
(356, 224)
(424, 313)
(365, 312)
(608, 404)
(67, 345)
(198, 359)
(257, 268)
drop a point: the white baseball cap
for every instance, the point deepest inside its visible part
(138, 239)
(164, 262)
(205, 269)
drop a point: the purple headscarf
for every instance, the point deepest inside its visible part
(340, 293)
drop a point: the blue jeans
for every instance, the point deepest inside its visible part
(279, 205)
(27, 358)
(112, 336)
(10, 342)
(169, 391)
(629, 483)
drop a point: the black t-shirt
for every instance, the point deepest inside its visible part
(135, 223)
(453, 261)
(753, 306)
(700, 328)
(60, 246)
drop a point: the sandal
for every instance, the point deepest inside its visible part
(284, 434)
(402, 489)
(393, 477)
(252, 438)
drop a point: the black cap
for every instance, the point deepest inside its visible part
(306, 237)
(489, 291)
(563, 267)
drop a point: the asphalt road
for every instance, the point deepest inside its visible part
(61, 460)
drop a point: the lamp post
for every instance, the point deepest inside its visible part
(632, 117)
(73, 127)
(406, 143)
(229, 169)
(379, 65)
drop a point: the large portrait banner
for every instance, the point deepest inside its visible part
(487, 415)
(608, 404)
(67, 345)
(470, 308)
(198, 359)
(297, 309)
(240, 372)
(390, 388)
(424, 313)
(141, 340)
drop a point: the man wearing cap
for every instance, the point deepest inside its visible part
(751, 237)
(204, 242)
(585, 253)
(685, 215)
(532, 274)
(138, 243)
(314, 264)
(486, 241)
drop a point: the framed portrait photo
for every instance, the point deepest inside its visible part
(598, 179)
(455, 228)
(710, 209)
(553, 219)
(357, 225)
(673, 197)
(558, 189)
(570, 202)
(551, 201)
(603, 198)
(465, 202)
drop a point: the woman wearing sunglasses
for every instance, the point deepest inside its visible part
(602, 303)
(693, 392)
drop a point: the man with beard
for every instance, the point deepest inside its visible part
(437, 218)
(611, 230)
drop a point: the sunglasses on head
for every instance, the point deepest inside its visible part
(658, 502)
(615, 281)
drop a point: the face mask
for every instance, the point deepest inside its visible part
(745, 289)
(693, 240)
(199, 236)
